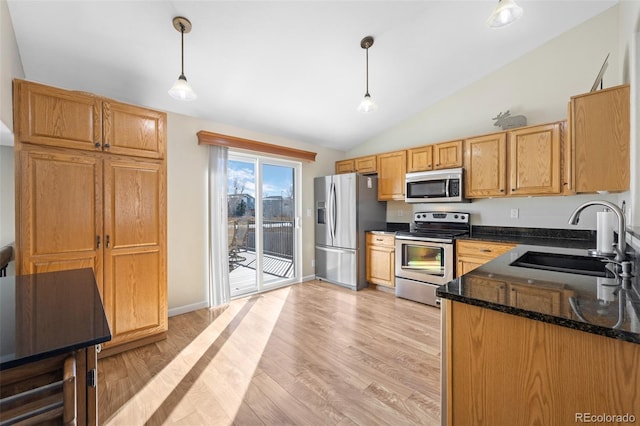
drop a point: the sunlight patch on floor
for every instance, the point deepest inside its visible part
(227, 376)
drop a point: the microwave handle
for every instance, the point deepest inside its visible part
(446, 188)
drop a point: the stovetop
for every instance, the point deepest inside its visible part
(437, 226)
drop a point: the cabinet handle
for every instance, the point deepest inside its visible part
(502, 190)
(482, 250)
(107, 146)
(98, 241)
(107, 242)
(513, 190)
(379, 239)
(98, 144)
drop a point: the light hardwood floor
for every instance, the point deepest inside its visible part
(309, 354)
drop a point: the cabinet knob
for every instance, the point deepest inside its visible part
(107, 242)
(513, 189)
(502, 190)
(98, 241)
(98, 144)
(107, 146)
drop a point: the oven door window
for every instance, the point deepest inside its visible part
(427, 189)
(423, 258)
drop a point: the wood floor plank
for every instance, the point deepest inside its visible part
(313, 354)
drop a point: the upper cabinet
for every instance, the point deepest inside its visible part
(599, 128)
(534, 160)
(524, 161)
(420, 159)
(392, 168)
(485, 163)
(78, 120)
(364, 165)
(447, 155)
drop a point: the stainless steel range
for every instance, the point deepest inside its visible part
(425, 255)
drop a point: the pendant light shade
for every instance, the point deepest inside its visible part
(181, 90)
(505, 13)
(367, 104)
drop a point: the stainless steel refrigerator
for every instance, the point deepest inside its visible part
(346, 207)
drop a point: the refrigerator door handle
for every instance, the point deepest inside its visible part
(334, 211)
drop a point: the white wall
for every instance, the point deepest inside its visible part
(10, 65)
(7, 189)
(538, 85)
(187, 205)
(629, 38)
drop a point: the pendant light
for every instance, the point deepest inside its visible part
(367, 104)
(505, 13)
(181, 89)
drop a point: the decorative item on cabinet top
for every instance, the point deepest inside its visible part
(506, 121)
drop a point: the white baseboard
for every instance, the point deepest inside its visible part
(188, 308)
(308, 278)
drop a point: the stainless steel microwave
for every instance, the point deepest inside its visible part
(438, 186)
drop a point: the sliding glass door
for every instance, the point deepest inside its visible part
(263, 205)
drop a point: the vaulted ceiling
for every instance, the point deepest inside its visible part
(288, 68)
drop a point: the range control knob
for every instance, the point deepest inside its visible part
(462, 217)
(455, 216)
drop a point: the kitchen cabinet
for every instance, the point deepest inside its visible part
(505, 369)
(534, 160)
(444, 155)
(485, 288)
(485, 164)
(420, 159)
(380, 259)
(78, 120)
(345, 166)
(471, 254)
(447, 155)
(525, 161)
(392, 167)
(599, 129)
(79, 208)
(364, 165)
(536, 297)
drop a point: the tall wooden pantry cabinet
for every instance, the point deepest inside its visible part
(91, 192)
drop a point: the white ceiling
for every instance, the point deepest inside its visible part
(288, 68)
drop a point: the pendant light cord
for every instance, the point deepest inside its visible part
(367, 56)
(182, 48)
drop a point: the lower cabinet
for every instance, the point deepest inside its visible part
(380, 259)
(503, 369)
(471, 254)
(108, 213)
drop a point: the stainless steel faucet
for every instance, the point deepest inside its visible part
(619, 248)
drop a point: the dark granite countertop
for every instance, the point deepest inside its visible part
(48, 314)
(569, 238)
(605, 306)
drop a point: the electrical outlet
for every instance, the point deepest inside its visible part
(313, 263)
(515, 213)
(309, 212)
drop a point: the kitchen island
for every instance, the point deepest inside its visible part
(50, 326)
(528, 346)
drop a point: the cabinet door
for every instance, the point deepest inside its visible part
(366, 164)
(135, 293)
(465, 265)
(392, 168)
(534, 160)
(131, 130)
(345, 166)
(420, 159)
(485, 162)
(60, 212)
(483, 288)
(447, 155)
(380, 265)
(600, 130)
(535, 298)
(48, 116)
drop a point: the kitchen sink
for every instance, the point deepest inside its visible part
(583, 265)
